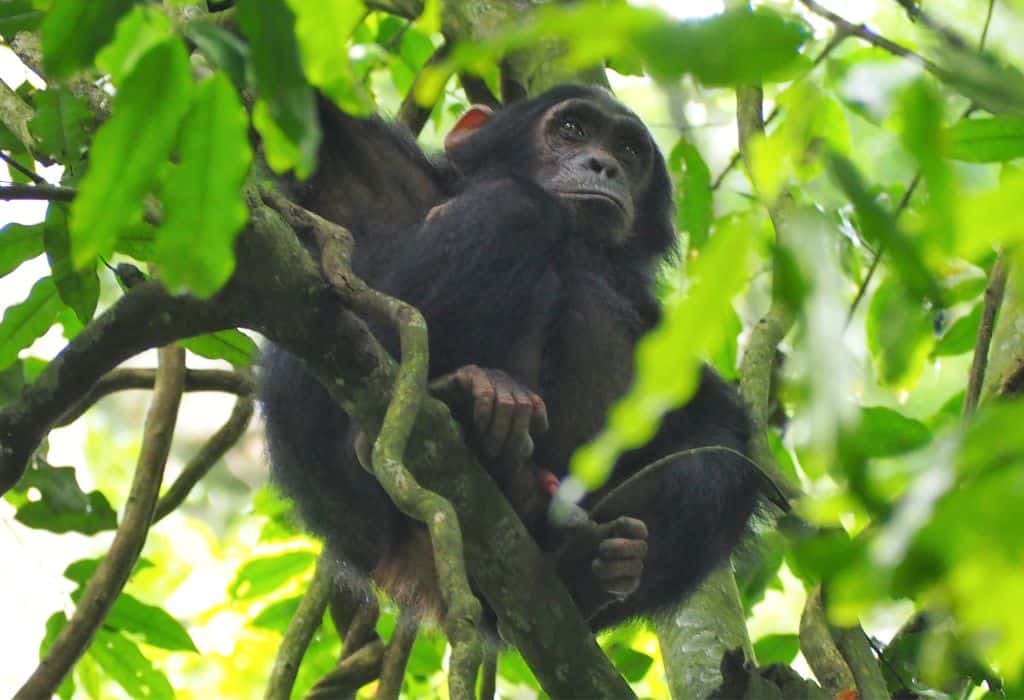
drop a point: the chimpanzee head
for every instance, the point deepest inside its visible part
(585, 147)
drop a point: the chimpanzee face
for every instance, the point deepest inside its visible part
(597, 157)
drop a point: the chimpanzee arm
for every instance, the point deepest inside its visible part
(370, 171)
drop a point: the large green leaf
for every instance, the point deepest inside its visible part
(693, 192)
(204, 209)
(287, 97)
(149, 623)
(129, 150)
(23, 323)
(62, 506)
(961, 337)
(17, 16)
(121, 659)
(883, 432)
(899, 333)
(258, 577)
(19, 243)
(139, 31)
(990, 140)
(75, 30)
(79, 289)
(59, 125)
(923, 136)
(233, 346)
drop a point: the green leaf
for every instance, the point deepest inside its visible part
(258, 577)
(151, 624)
(62, 506)
(19, 243)
(129, 150)
(879, 226)
(79, 289)
(322, 30)
(23, 323)
(121, 659)
(668, 359)
(74, 31)
(233, 346)
(54, 624)
(693, 193)
(60, 125)
(17, 16)
(222, 49)
(899, 334)
(993, 439)
(776, 649)
(961, 336)
(288, 99)
(204, 209)
(139, 31)
(991, 140)
(82, 570)
(632, 664)
(883, 432)
(923, 136)
(276, 616)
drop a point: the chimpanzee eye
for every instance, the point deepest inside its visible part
(571, 126)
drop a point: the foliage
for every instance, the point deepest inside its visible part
(873, 209)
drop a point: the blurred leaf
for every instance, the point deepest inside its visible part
(129, 150)
(151, 624)
(322, 29)
(74, 31)
(989, 218)
(989, 140)
(961, 336)
(17, 16)
(693, 193)
(59, 125)
(879, 226)
(995, 86)
(233, 346)
(427, 657)
(258, 577)
(79, 289)
(54, 624)
(899, 334)
(287, 99)
(222, 49)
(924, 137)
(668, 358)
(276, 616)
(204, 209)
(82, 570)
(23, 323)
(883, 432)
(19, 243)
(137, 32)
(62, 506)
(632, 664)
(12, 381)
(121, 659)
(776, 649)
(993, 439)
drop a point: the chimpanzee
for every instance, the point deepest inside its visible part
(530, 247)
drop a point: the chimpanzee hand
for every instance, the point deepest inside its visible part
(501, 412)
(603, 563)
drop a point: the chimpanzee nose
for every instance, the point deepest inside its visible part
(603, 165)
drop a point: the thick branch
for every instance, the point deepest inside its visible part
(820, 649)
(112, 573)
(299, 634)
(52, 193)
(351, 674)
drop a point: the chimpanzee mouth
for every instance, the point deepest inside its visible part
(595, 195)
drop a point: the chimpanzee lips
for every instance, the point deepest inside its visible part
(595, 195)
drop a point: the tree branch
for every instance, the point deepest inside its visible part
(209, 454)
(52, 193)
(300, 631)
(105, 585)
(396, 656)
(412, 113)
(994, 293)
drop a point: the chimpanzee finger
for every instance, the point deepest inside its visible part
(618, 548)
(539, 420)
(519, 426)
(501, 422)
(484, 396)
(518, 448)
(621, 587)
(621, 568)
(628, 528)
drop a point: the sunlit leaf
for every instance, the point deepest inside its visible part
(257, 577)
(204, 209)
(233, 346)
(23, 323)
(222, 49)
(990, 140)
(19, 243)
(129, 150)
(277, 615)
(286, 96)
(74, 31)
(62, 506)
(693, 194)
(121, 659)
(924, 137)
(137, 32)
(883, 432)
(776, 649)
(149, 623)
(961, 337)
(899, 333)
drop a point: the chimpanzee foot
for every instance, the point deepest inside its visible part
(501, 411)
(603, 563)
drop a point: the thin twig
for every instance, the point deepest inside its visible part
(396, 657)
(299, 634)
(988, 22)
(412, 114)
(227, 381)
(207, 456)
(30, 174)
(994, 293)
(52, 193)
(105, 585)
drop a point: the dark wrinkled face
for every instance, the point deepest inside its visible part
(597, 157)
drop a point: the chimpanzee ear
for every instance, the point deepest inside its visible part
(471, 120)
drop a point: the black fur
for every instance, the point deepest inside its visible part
(505, 282)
